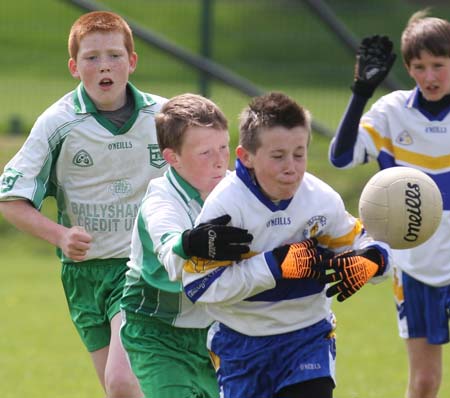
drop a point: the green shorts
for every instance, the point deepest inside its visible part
(93, 291)
(168, 361)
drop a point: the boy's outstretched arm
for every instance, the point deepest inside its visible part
(74, 242)
(374, 60)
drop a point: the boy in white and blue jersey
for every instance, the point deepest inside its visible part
(94, 151)
(274, 331)
(410, 128)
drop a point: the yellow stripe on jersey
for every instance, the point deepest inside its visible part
(342, 241)
(398, 289)
(197, 265)
(412, 158)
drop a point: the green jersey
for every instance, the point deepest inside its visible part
(97, 172)
(152, 286)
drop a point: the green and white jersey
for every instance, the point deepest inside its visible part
(153, 286)
(97, 172)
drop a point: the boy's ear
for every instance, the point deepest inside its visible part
(170, 156)
(244, 156)
(408, 69)
(72, 64)
(133, 62)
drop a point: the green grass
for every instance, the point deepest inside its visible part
(42, 355)
(40, 352)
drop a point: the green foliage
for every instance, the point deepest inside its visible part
(277, 45)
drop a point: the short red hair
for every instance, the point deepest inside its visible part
(99, 21)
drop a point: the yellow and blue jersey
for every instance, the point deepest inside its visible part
(397, 131)
(249, 296)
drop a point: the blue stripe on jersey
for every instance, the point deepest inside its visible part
(386, 160)
(195, 290)
(244, 175)
(273, 264)
(289, 289)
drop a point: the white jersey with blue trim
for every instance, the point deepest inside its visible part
(97, 172)
(249, 296)
(396, 132)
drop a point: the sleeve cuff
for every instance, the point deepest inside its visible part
(177, 248)
(272, 263)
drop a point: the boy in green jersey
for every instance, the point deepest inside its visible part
(94, 151)
(163, 332)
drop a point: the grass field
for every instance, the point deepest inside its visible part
(40, 352)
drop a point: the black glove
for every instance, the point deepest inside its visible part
(352, 270)
(298, 260)
(216, 241)
(374, 60)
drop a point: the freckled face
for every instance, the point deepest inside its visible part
(279, 164)
(431, 74)
(203, 159)
(104, 65)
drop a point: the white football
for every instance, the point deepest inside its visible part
(401, 206)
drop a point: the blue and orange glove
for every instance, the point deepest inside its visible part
(301, 260)
(352, 270)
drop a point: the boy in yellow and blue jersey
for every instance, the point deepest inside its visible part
(410, 128)
(274, 332)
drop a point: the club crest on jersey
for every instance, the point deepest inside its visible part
(404, 138)
(120, 188)
(314, 226)
(156, 159)
(82, 159)
(10, 176)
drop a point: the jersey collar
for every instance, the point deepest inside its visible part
(414, 102)
(83, 104)
(186, 190)
(244, 175)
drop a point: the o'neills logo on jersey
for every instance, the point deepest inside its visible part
(436, 129)
(120, 145)
(413, 203)
(278, 221)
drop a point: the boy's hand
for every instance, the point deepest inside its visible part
(299, 260)
(374, 60)
(215, 240)
(75, 243)
(352, 270)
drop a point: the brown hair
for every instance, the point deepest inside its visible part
(98, 21)
(184, 111)
(424, 33)
(270, 110)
